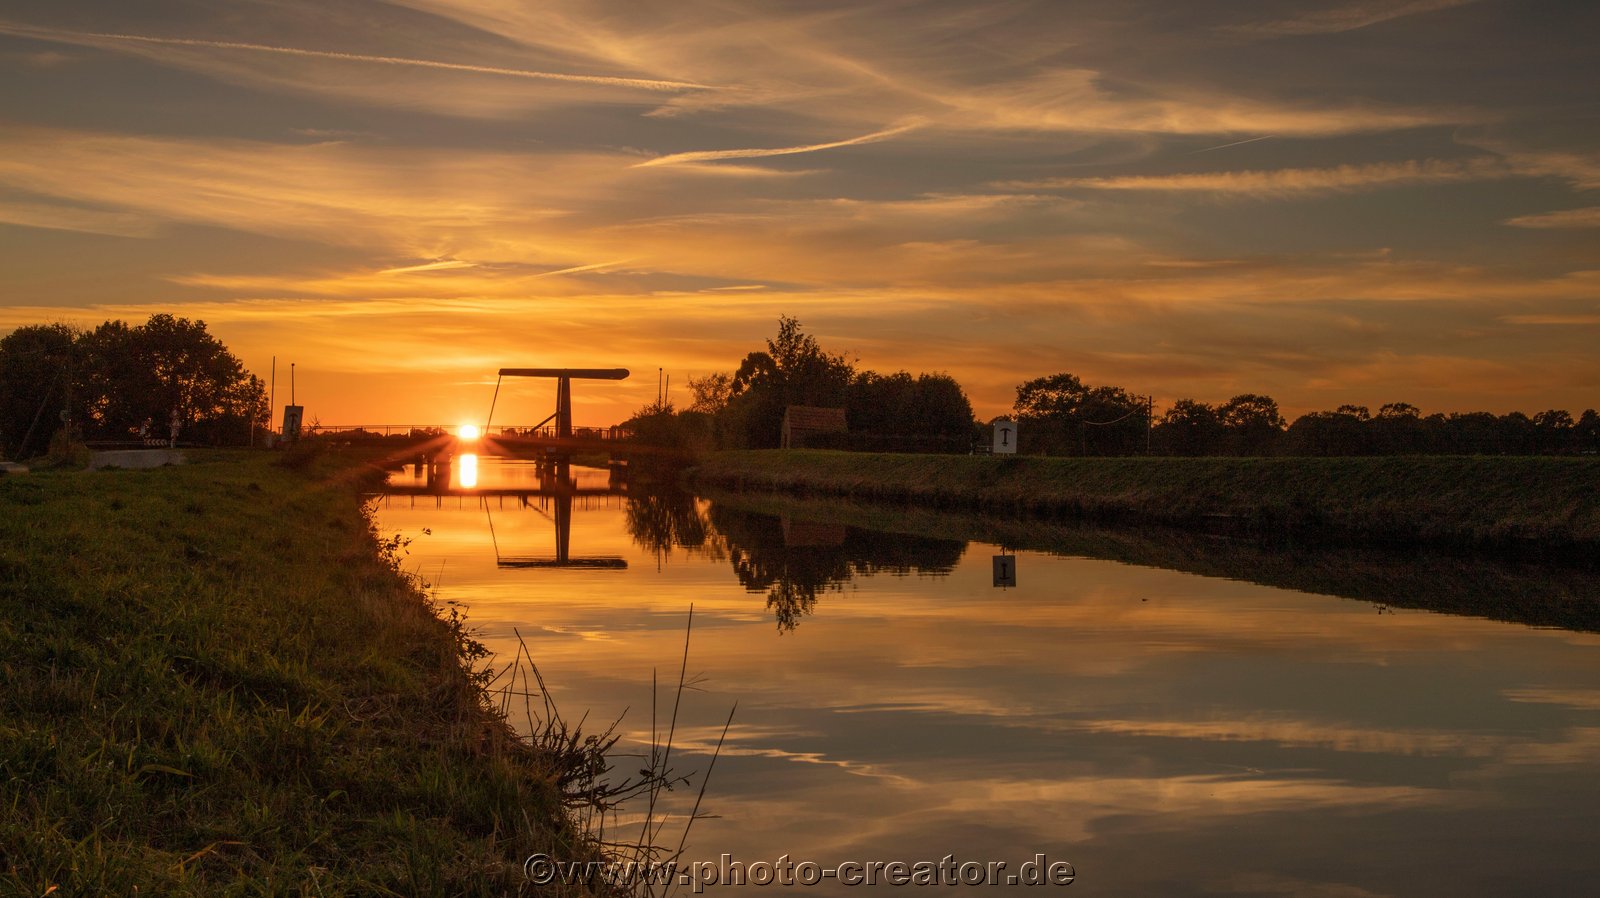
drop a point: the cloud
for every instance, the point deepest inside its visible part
(711, 155)
(67, 218)
(1564, 320)
(1236, 143)
(441, 265)
(93, 38)
(1079, 100)
(1288, 182)
(1350, 17)
(1587, 217)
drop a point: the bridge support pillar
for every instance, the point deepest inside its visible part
(564, 407)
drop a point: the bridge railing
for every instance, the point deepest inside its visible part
(414, 431)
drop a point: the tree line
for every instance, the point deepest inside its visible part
(744, 408)
(119, 382)
(1059, 414)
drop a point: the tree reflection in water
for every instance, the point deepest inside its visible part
(795, 561)
(792, 560)
(661, 518)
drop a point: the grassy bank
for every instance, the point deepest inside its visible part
(1532, 505)
(214, 682)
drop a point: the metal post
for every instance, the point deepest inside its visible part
(563, 529)
(564, 407)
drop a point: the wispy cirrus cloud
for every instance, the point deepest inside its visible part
(1288, 182)
(68, 218)
(761, 152)
(1348, 17)
(439, 265)
(1079, 100)
(94, 38)
(1553, 320)
(1587, 217)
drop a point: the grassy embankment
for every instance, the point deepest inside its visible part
(214, 681)
(1543, 506)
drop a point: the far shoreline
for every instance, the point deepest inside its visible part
(1545, 508)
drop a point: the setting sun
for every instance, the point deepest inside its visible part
(469, 431)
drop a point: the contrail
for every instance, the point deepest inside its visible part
(1236, 143)
(81, 37)
(577, 269)
(709, 155)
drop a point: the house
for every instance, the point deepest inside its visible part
(801, 422)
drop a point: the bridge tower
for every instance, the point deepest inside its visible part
(564, 378)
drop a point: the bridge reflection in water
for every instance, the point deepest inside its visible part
(547, 487)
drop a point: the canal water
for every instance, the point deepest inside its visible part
(1133, 705)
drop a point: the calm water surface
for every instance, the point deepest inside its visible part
(1166, 733)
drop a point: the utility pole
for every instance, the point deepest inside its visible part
(1149, 419)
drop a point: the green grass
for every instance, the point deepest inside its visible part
(215, 681)
(1539, 505)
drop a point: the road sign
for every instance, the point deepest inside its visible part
(1005, 437)
(292, 414)
(1005, 570)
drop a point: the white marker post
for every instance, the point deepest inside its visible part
(1005, 437)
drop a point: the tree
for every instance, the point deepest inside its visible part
(793, 370)
(901, 413)
(711, 393)
(37, 373)
(1063, 414)
(1340, 432)
(1398, 429)
(1189, 428)
(1399, 411)
(1253, 423)
(1554, 430)
(115, 379)
(1586, 433)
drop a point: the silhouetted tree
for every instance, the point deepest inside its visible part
(116, 378)
(711, 393)
(1189, 428)
(1553, 430)
(793, 370)
(1253, 423)
(901, 413)
(1061, 414)
(1398, 429)
(1586, 433)
(37, 375)
(1329, 433)
(1471, 433)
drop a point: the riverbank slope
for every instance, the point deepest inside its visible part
(1523, 505)
(215, 681)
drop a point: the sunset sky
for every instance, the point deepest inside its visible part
(1328, 201)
